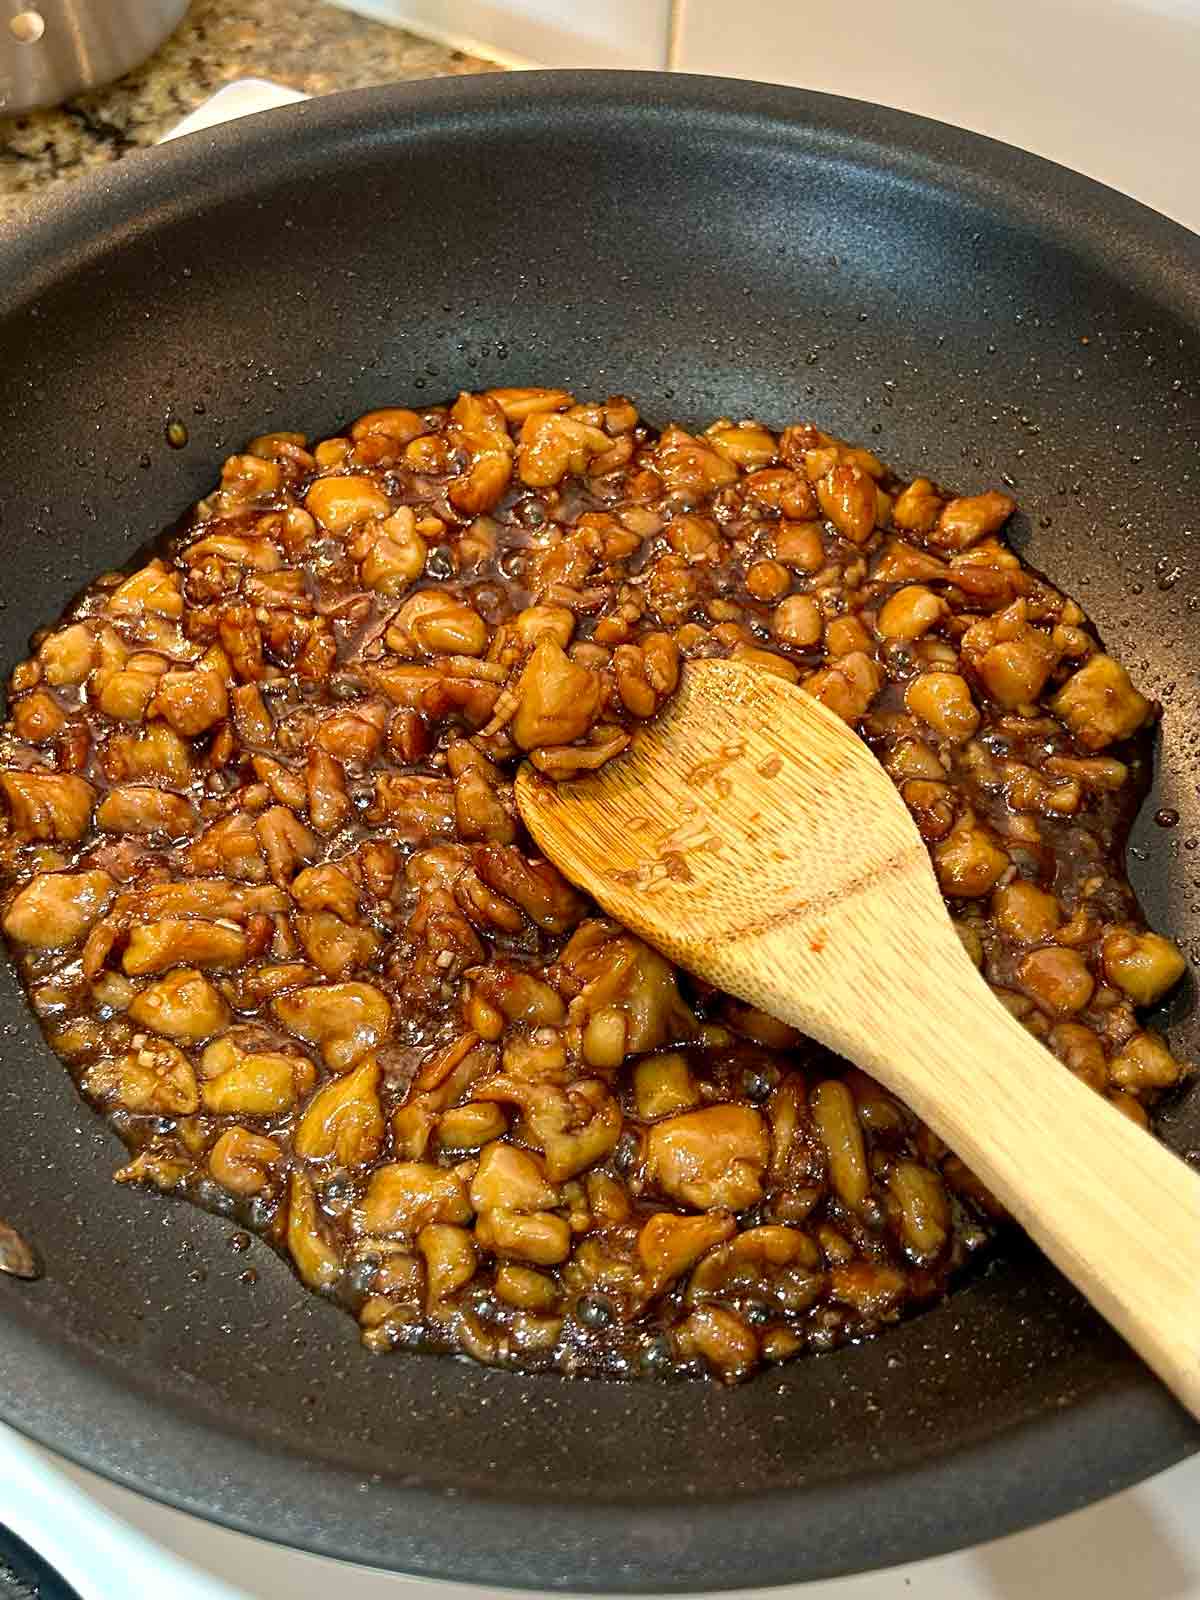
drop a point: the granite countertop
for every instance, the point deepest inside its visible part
(303, 43)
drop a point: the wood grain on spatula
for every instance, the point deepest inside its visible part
(751, 836)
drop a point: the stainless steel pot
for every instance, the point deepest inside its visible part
(51, 49)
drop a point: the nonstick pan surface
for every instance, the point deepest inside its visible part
(709, 248)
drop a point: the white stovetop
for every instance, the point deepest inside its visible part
(114, 1545)
(110, 1544)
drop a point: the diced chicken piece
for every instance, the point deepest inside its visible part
(192, 702)
(326, 888)
(153, 589)
(714, 1157)
(53, 807)
(138, 808)
(58, 908)
(68, 656)
(286, 842)
(156, 1077)
(184, 1005)
(172, 942)
(344, 1121)
(1100, 705)
(346, 1020)
(406, 1196)
(215, 897)
(559, 700)
(332, 945)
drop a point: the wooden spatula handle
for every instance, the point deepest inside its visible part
(1114, 1209)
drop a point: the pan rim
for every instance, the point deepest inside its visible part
(63, 228)
(215, 1474)
(1133, 1428)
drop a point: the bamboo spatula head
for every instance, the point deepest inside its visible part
(753, 837)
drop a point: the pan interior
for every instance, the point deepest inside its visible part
(708, 249)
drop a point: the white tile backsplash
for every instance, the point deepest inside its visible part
(538, 33)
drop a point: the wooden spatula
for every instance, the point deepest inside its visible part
(752, 837)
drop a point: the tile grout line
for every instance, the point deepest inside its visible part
(675, 24)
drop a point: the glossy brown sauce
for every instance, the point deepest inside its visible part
(272, 902)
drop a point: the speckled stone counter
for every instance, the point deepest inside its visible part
(303, 43)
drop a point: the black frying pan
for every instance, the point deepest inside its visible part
(711, 248)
